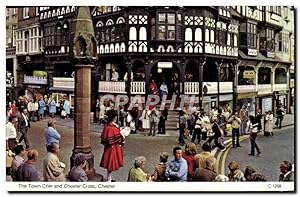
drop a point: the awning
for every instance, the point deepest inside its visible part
(247, 95)
(62, 89)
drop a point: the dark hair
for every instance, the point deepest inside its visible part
(163, 157)
(51, 147)
(248, 172)
(80, 158)
(206, 147)
(111, 114)
(288, 165)
(10, 119)
(219, 111)
(181, 113)
(18, 149)
(176, 148)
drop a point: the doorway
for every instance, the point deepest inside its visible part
(168, 73)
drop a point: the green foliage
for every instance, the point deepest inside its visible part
(39, 73)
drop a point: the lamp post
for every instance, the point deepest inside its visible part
(83, 56)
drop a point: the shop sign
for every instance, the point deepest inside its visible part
(226, 97)
(164, 64)
(249, 74)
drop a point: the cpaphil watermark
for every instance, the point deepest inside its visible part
(176, 102)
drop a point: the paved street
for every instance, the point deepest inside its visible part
(150, 147)
(274, 150)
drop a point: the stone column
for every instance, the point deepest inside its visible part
(84, 56)
(82, 142)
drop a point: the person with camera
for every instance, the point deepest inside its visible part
(235, 121)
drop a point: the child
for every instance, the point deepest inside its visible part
(159, 171)
(235, 175)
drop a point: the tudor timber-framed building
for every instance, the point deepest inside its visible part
(185, 46)
(217, 53)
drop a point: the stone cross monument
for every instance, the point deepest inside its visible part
(83, 56)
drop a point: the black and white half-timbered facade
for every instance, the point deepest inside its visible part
(56, 25)
(32, 80)
(189, 48)
(220, 54)
(263, 71)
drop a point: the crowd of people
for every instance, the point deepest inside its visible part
(186, 165)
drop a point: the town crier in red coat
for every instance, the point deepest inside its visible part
(111, 138)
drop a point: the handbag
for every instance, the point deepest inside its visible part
(63, 113)
(9, 158)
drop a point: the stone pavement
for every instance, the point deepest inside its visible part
(136, 144)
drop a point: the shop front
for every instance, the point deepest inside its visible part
(281, 98)
(265, 103)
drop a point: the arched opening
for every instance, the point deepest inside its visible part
(191, 72)
(138, 71)
(264, 75)
(167, 72)
(210, 72)
(246, 75)
(280, 76)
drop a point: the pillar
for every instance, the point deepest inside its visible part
(200, 70)
(82, 142)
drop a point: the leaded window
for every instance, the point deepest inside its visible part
(166, 26)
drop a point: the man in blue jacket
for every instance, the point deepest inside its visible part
(177, 168)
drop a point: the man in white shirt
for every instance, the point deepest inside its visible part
(163, 89)
(11, 134)
(30, 107)
(114, 75)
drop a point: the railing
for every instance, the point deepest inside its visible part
(280, 87)
(265, 89)
(138, 87)
(63, 82)
(35, 80)
(246, 88)
(212, 87)
(191, 88)
(111, 87)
